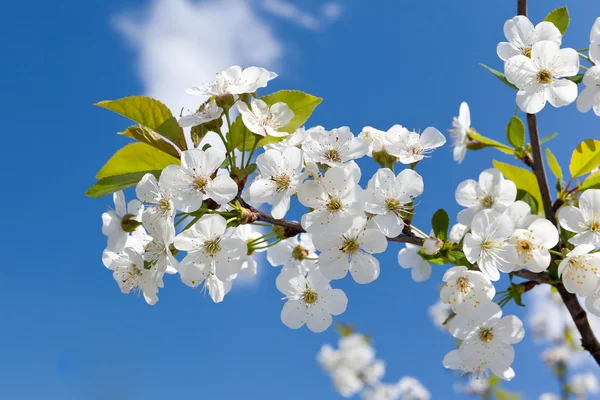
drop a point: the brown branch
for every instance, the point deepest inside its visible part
(538, 167)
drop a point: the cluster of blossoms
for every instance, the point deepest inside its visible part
(354, 369)
(202, 206)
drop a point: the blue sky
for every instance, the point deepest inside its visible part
(68, 333)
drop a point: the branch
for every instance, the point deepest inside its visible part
(538, 167)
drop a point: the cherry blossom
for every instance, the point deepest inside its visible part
(590, 96)
(119, 223)
(208, 112)
(192, 182)
(522, 35)
(580, 270)
(583, 220)
(160, 207)
(310, 299)
(410, 147)
(334, 148)
(466, 290)
(532, 244)
(297, 252)
(538, 77)
(409, 258)
(595, 42)
(265, 120)
(235, 81)
(460, 132)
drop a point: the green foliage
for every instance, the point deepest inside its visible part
(502, 394)
(440, 223)
(548, 137)
(560, 18)
(523, 179)
(344, 330)
(499, 75)
(302, 104)
(147, 135)
(591, 182)
(492, 143)
(577, 78)
(148, 112)
(112, 184)
(515, 132)
(585, 158)
(136, 157)
(553, 164)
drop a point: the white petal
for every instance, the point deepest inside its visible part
(561, 92)
(532, 100)
(431, 138)
(364, 268)
(293, 314)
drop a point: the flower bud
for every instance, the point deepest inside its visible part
(129, 224)
(432, 245)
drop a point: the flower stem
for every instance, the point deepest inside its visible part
(256, 139)
(232, 158)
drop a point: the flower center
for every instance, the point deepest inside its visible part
(200, 183)
(579, 263)
(487, 201)
(595, 225)
(299, 253)
(527, 52)
(212, 247)
(334, 205)
(524, 246)
(350, 246)
(486, 334)
(310, 296)
(392, 205)
(333, 155)
(463, 284)
(282, 182)
(544, 76)
(164, 204)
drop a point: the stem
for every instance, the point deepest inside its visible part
(231, 164)
(585, 57)
(256, 139)
(557, 253)
(229, 132)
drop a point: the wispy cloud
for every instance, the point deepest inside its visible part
(287, 10)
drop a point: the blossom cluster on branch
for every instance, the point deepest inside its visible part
(197, 208)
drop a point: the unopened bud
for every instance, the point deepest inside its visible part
(128, 224)
(432, 245)
(225, 101)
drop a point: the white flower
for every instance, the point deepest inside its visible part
(439, 313)
(556, 355)
(335, 201)
(487, 243)
(296, 139)
(192, 181)
(582, 384)
(457, 232)
(388, 196)
(297, 253)
(521, 36)
(486, 341)
(357, 352)
(235, 81)
(208, 112)
(373, 373)
(412, 389)
(466, 290)
(592, 302)
(532, 244)
(549, 396)
(117, 224)
(351, 251)
(310, 299)
(130, 272)
(247, 233)
(520, 214)
(476, 385)
(539, 77)
(157, 252)
(580, 270)
(161, 209)
(590, 96)
(409, 258)
(334, 148)
(383, 392)
(346, 381)
(278, 179)
(374, 138)
(432, 245)
(460, 132)
(265, 120)
(209, 252)
(585, 220)
(491, 192)
(595, 42)
(410, 147)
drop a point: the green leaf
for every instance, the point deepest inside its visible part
(136, 157)
(577, 78)
(150, 113)
(440, 223)
(302, 104)
(502, 394)
(560, 18)
(591, 182)
(112, 184)
(527, 198)
(553, 164)
(585, 158)
(499, 75)
(548, 137)
(147, 135)
(490, 142)
(515, 132)
(523, 179)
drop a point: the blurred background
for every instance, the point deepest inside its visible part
(66, 330)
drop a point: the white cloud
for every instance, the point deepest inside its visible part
(287, 10)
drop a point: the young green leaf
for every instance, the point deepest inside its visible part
(523, 179)
(548, 137)
(112, 184)
(136, 157)
(499, 75)
(592, 181)
(553, 164)
(440, 223)
(515, 132)
(577, 78)
(147, 135)
(492, 143)
(585, 158)
(560, 18)
(150, 113)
